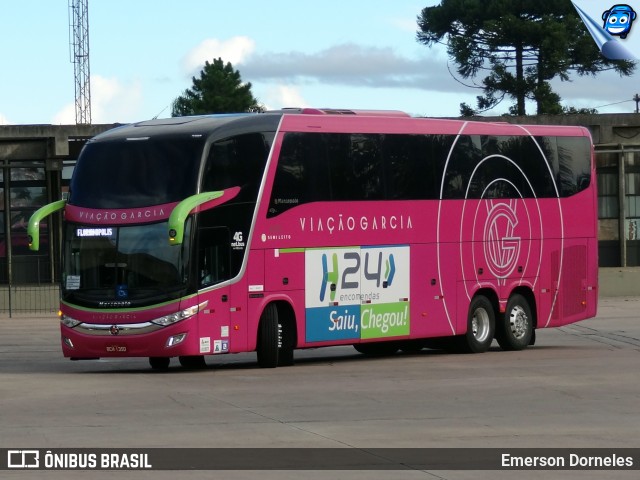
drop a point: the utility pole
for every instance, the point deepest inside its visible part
(636, 98)
(79, 42)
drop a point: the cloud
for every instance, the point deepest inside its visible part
(3, 120)
(283, 96)
(111, 101)
(596, 91)
(353, 65)
(234, 50)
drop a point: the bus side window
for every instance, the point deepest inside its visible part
(213, 256)
(574, 165)
(404, 173)
(302, 175)
(236, 162)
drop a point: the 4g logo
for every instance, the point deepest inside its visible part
(351, 274)
(238, 241)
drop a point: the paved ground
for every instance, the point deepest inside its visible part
(578, 387)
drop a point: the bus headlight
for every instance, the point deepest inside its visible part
(67, 321)
(179, 316)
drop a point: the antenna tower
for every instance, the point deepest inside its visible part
(79, 52)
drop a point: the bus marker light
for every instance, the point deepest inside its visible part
(236, 327)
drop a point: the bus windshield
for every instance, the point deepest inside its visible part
(136, 172)
(126, 265)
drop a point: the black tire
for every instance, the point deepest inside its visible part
(481, 325)
(287, 343)
(269, 338)
(159, 363)
(515, 331)
(377, 349)
(192, 362)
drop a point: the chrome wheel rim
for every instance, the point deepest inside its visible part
(519, 322)
(480, 325)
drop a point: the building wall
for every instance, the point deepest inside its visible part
(36, 162)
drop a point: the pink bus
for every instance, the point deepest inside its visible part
(277, 231)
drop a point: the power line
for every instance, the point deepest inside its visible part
(615, 103)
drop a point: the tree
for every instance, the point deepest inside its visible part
(218, 90)
(522, 44)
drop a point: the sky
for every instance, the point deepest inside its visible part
(354, 54)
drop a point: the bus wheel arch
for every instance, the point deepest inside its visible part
(277, 335)
(515, 330)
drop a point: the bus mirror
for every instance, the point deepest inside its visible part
(182, 210)
(33, 228)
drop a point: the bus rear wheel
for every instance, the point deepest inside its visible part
(515, 331)
(481, 324)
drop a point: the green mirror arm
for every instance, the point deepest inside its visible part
(33, 228)
(181, 211)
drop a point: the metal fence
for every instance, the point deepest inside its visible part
(29, 299)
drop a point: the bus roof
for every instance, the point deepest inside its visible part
(338, 120)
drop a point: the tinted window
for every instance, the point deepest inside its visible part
(355, 164)
(236, 162)
(574, 165)
(334, 167)
(136, 173)
(570, 159)
(466, 154)
(303, 173)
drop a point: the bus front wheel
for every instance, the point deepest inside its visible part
(481, 324)
(515, 331)
(275, 346)
(159, 363)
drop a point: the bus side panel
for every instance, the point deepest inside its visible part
(238, 321)
(448, 272)
(571, 303)
(255, 292)
(592, 278)
(284, 270)
(428, 316)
